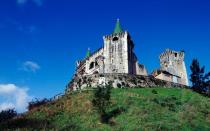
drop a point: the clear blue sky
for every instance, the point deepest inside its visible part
(53, 34)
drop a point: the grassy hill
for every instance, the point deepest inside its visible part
(145, 109)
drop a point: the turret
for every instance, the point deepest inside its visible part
(173, 62)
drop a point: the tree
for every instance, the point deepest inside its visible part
(208, 85)
(101, 100)
(7, 115)
(198, 77)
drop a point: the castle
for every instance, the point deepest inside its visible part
(172, 67)
(117, 57)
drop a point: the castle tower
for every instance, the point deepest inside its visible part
(173, 62)
(118, 52)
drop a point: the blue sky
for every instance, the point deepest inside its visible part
(40, 40)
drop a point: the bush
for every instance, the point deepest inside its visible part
(101, 103)
(101, 100)
(154, 91)
(7, 115)
(37, 103)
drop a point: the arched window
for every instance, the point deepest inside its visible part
(115, 39)
(91, 65)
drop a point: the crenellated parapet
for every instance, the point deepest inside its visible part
(173, 62)
(118, 35)
(172, 54)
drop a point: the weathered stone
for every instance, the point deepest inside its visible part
(119, 81)
(116, 64)
(172, 67)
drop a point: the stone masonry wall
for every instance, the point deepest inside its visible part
(117, 81)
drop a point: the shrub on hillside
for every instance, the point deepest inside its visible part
(208, 84)
(101, 100)
(7, 115)
(154, 91)
(37, 103)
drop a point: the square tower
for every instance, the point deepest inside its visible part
(118, 52)
(173, 62)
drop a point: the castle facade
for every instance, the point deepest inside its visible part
(116, 56)
(117, 63)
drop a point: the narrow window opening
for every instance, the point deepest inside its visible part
(115, 39)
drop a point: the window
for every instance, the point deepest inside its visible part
(91, 65)
(96, 64)
(115, 39)
(112, 61)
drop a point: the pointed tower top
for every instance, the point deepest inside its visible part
(117, 28)
(88, 53)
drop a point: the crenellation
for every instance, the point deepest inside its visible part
(173, 62)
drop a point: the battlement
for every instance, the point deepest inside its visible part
(169, 54)
(173, 62)
(120, 35)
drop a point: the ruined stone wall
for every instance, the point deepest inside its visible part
(140, 69)
(173, 62)
(117, 81)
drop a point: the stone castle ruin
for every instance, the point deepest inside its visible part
(172, 67)
(117, 63)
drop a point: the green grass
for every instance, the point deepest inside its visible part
(145, 109)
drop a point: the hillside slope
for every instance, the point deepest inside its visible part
(145, 108)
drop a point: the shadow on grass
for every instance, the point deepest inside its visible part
(25, 123)
(105, 118)
(71, 127)
(38, 124)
